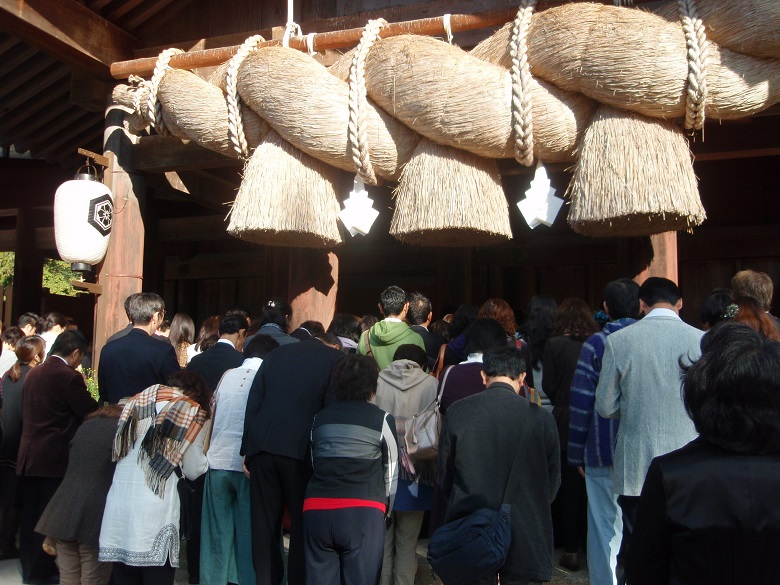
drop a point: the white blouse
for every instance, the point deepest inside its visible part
(140, 528)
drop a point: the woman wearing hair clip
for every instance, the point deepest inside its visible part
(748, 311)
(275, 322)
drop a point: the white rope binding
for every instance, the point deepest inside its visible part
(154, 109)
(235, 119)
(698, 60)
(522, 118)
(358, 102)
(446, 22)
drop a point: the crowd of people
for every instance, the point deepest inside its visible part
(652, 454)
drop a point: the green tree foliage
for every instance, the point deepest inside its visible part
(57, 275)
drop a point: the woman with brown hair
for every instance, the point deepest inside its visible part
(30, 351)
(160, 430)
(574, 323)
(747, 310)
(500, 310)
(182, 335)
(207, 336)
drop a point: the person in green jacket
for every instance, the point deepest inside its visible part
(383, 339)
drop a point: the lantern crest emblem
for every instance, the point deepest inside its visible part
(101, 212)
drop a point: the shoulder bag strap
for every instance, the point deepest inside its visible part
(514, 473)
(439, 363)
(367, 334)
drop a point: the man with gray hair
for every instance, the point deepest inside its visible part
(136, 361)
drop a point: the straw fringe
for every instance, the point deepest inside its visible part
(622, 187)
(449, 197)
(286, 198)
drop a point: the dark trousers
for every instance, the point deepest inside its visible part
(37, 566)
(10, 511)
(629, 505)
(275, 481)
(195, 513)
(344, 546)
(573, 501)
(126, 575)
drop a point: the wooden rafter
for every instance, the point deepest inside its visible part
(69, 30)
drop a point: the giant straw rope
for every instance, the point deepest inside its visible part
(527, 92)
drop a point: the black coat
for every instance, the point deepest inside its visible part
(215, 361)
(12, 416)
(432, 343)
(76, 510)
(54, 402)
(291, 386)
(132, 363)
(477, 447)
(707, 515)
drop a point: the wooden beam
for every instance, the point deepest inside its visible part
(341, 39)
(194, 187)
(69, 30)
(193, 229)
(160, 154)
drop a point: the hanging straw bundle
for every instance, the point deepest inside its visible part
(192, 109)
(286, 198)
(310, 107)
(450, 197)
(636, 60)
(454, 98)
(634, 177)
(746, 26)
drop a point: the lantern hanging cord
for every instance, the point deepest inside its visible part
(235, 118)
(522, 118)
(358, 102)
(698, 60)
(154, 109)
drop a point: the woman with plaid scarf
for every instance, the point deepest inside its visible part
(160, 429)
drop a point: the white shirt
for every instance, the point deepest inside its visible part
(231, 397)
(661, 312)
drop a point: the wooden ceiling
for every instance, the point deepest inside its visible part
(54, 57)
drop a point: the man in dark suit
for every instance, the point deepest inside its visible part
(477, 448)
(136, 361)
(420, 314)
(291, 386)
(223, 355)
(54, 402)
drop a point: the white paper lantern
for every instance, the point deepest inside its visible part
(83, 214)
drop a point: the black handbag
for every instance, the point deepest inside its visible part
(186, 493)
(476, 545)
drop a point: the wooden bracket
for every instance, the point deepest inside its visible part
(90, 287)
(98, 158)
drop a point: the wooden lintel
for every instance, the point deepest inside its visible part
(160, 154)
(90, 287)
(69, 30)
(342, 37)
(193, 229)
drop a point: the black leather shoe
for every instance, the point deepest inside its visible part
(570, 561)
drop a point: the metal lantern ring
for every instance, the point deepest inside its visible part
(83, 215)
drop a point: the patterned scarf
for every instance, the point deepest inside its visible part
(165, 436)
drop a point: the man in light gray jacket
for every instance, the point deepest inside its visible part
(640, 384)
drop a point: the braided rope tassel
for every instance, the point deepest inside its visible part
(235, 119)
(522, 118)
(698, 60)
(140, 94)
(358, 103)
(154, 109)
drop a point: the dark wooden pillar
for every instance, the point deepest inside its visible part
(28, 262)
(313, 285)
(121, 272)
